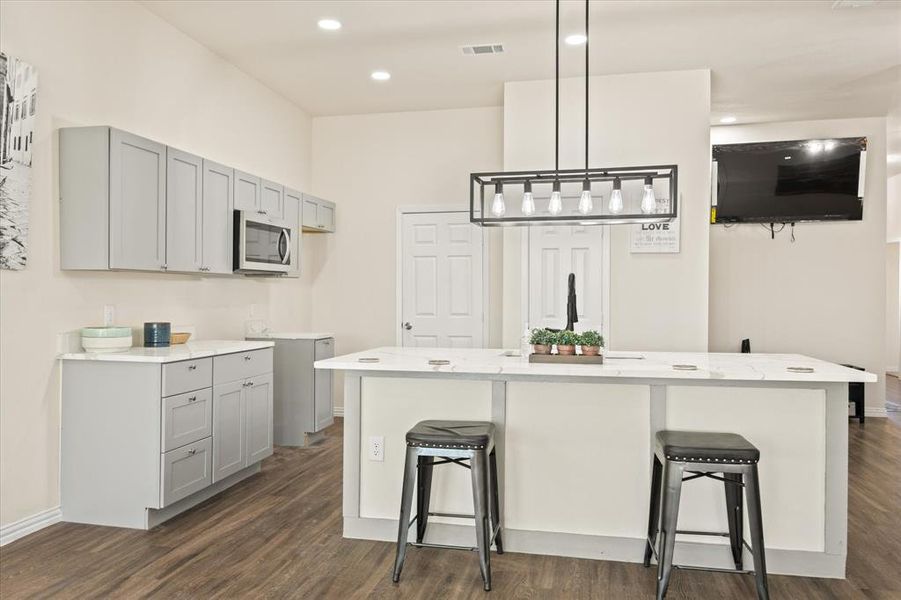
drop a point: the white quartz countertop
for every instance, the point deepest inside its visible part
(290, 335)
(631, 365)
(189, 351)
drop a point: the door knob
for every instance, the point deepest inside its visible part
(408, 326)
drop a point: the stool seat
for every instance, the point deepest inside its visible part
(452, 434)
(703, 446)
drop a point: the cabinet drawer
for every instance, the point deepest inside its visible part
(187, 375)
(242, 365)
(187, 418)
(325, 348)
(186, 470)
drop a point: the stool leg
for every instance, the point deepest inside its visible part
(653, 510)
(755, 521)
(669, 517)
(495, 520)
(423, 494)
(734, 510)
(480, 504)
(406, 501)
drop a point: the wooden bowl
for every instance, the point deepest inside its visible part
(179, 337)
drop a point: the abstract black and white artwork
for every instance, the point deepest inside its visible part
(19, 81)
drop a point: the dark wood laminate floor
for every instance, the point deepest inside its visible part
(278, 535)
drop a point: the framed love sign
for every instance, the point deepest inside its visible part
(650, 238)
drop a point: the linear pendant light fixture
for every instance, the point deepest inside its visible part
(587, 196)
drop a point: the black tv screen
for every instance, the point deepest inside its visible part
(787, 182)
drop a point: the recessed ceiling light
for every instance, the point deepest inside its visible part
(728, 119)
(329, 24)
(381, 75)
(576, 39)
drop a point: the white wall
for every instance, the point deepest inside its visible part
(658, 301)
(370, 165)
(823, 295)
(893, 307)
(117, 64)
(893, 209)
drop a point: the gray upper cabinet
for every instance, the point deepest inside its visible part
(318, 215)
(247, 191)
(137, 202)
(127, 202)
(184, 211)
(218, 222)
(292, 216)
(272, 199)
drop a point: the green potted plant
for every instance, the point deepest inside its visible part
(541, 340)
(566, 342)
(591, 342)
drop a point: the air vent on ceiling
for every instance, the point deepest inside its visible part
(484, 49)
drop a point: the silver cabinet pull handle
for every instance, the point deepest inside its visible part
(192, 451)
(192, 399)
(192, 367)
(408, 326)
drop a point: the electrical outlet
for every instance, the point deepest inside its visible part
(109, 315)
(377, 448)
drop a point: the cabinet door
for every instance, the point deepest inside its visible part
(322, 391)
(258, 417)
(218, 218)
(292, 216)
(229, 441)
(137, 202)
(310, 214)
(247, 191)
(326, 216)
(272, 199)
(184, 210)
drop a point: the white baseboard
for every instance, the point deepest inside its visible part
(339, 411)
(21, 528)
(872, 411)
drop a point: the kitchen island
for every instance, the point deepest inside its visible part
(575, 447)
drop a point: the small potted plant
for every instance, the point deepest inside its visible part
(566, 342)
(591, 342)
(541, 340)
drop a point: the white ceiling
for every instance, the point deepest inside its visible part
(770, 60)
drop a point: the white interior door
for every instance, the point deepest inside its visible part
(441, 281)
(554, 253)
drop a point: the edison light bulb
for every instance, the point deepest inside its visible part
(498, 206)
(528, 202)
(648, 201)
(555, 205)
(585, 203)
(616, 198)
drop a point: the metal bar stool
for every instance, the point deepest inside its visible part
(451, 442)
(685, 455)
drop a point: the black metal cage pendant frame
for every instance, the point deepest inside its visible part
(587, 196)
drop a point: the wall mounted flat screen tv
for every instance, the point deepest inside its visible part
(789, 182)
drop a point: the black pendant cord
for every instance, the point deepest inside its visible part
(586, 87)
(557, 91)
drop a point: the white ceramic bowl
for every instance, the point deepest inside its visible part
(106, 344)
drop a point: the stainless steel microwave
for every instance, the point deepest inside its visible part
(262, 244)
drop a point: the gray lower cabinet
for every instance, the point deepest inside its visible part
(142, 441)
(242, 428)
(302, 395)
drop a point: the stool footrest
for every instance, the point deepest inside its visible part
(714, 570)
(451, 515)
(442, 546)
